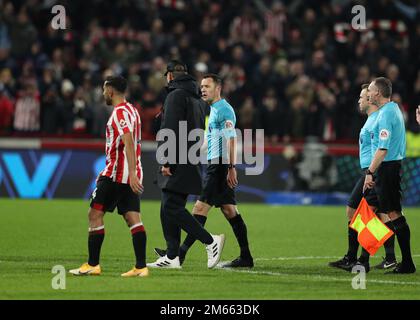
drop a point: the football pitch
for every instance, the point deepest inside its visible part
(291, 246)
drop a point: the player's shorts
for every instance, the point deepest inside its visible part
(109, 194)
(357, 194)
(388, 186)
(216, 191)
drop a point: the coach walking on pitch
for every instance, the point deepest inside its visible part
(177, 180)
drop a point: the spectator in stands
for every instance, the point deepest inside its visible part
(22, 33)
(302, 86)
(325, 125)
(296, 118)
(273, 116)
(248, 115)
(6, 110)
(245, 26)
(309, 26)
(49, 109)
(264, 77)
(156, 82)
(9, 83)
(100, 111)
(4, 41)
(319, 69)
(27, 111)
(292, 46)
(275, 19)
(82, 112)
(393, 74)
(66, 105)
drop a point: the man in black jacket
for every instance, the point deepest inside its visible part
(180, 177)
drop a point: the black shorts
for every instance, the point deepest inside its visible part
(357, 193)
(216, 191)
(109, 194)
(388, 186)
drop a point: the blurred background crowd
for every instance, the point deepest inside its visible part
(291, 67)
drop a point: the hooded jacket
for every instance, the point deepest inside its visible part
(183, 103)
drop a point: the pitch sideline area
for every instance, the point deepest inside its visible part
(291, 247)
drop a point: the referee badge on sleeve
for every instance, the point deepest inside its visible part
(229, 124)
(384, 134)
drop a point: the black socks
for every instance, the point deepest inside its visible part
(95, 239)
(138, 234)
(353, 244)
(390, 243)
(402, 231)
(364, 256)
(240, 231)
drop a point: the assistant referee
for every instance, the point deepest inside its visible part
(384, 172)
(365, 157)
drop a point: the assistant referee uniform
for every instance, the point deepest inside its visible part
(389, 134)
(367, 147)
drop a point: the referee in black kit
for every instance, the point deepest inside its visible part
(177, 180)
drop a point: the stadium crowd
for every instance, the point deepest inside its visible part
(291, 67)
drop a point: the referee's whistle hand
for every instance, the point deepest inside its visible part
(166, 171)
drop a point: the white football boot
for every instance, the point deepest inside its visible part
(214, 250)
(165, 262)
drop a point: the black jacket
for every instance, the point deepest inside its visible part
(183, 103)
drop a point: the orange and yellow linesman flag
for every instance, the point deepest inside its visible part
(372, 232)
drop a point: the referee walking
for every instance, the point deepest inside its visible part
(177, 180)
(365, 157)
(384, 172)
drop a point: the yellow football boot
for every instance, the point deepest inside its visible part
(87, 270)
(143, 272)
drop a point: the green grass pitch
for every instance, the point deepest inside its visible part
(291, 246)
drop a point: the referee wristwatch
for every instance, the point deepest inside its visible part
(368, 172)
(231, 166)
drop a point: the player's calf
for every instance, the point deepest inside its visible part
(138, 234)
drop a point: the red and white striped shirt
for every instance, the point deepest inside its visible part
(275, 25)
(124, 118)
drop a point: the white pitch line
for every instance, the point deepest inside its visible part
(296, 258)
(312, 258)
(322, 278)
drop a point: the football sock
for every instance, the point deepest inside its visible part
(96, 237)
(364, 256)
(402, 230)
(353, 244)
(138, 235)
(389, 244)
(240, 231)
(190, 239)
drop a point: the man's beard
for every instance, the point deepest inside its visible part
(108, 101)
